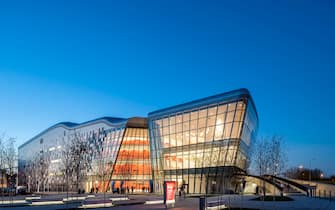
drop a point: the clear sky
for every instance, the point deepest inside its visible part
(79, 60)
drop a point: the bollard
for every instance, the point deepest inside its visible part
(202, 203)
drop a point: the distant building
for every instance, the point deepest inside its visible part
(202, 145)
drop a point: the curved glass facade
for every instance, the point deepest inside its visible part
(201, 145)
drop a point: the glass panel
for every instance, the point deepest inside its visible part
(230, 156)
(173, 141)
(166, 130)
(179, 160)
(194, 124)
(172, 129)
(214, 157)
(193, 135)
(227, 130)
(220, 119)
(192, 159)
(186, 126)
(179, 128)
(231, 107)
(222, 108)
(211, 121)
(230, 117)
(198, 158)
(191, 184)
(186, 138)
(209, 133)
(166, 141)
(186, 159)
(202, 122)
(218, 132)
(179, 118)
(201, 135)
(238, 115)
(236, 130)
(203, 113)
(212, 111)
(159, 123)
(197, 183)
(179, 139)
(166, 122)
(186, 117)
(172, 120)
(194, 115)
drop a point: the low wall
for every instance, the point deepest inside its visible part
(322, 189)
(253, 182)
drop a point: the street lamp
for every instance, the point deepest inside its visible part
(29, 183)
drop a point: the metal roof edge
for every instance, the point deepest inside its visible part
(72, 126)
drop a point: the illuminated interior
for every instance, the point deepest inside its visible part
(132, 170)
(201, 147)
(200, 144)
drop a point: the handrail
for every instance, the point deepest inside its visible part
(295, 184)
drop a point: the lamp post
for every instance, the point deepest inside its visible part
(29, 183)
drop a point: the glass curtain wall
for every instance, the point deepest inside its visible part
(104, 147)
(132, 171)
(196, 145)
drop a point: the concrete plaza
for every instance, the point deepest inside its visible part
(137, 202)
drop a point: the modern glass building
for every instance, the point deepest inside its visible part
(203, 145)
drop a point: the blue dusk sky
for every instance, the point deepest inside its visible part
(79, 60)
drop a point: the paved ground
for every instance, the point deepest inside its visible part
(299, 203)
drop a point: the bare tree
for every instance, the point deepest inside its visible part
(2, 160)
(30, 176)
(277, 155)
(269, 156)
(8, 162)
(102, 168)
(261, 156)
(41, 163)
(66, 167)
(2, 163)
(76, 160)
(10, 157)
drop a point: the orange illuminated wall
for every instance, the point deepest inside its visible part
(132, 169)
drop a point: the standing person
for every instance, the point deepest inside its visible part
(132, 189)
(182, 190)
